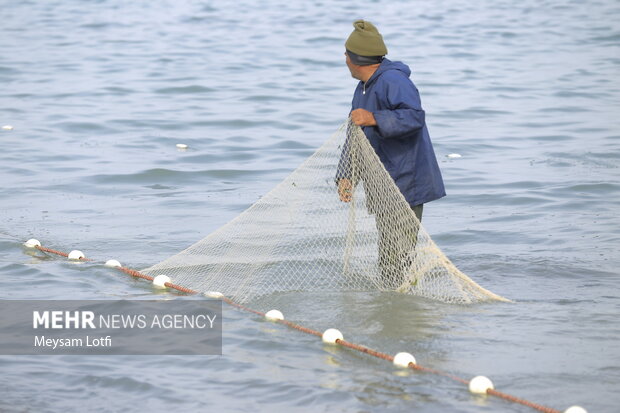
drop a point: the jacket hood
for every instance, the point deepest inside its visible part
(387, 65)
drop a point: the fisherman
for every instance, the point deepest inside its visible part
(386, 105)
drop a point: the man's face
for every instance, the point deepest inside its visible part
(353, 68)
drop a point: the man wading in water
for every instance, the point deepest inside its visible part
(386, 105)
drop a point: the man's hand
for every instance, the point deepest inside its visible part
(345, 190)
(362, 117)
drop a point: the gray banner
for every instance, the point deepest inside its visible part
(138, 327)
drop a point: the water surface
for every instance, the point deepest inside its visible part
(99, 94)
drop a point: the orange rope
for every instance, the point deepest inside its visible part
(135, 273)
(285, 322)
(522, 401)
(341, 342)
(366, 350)
(439, 373)
(51, 251)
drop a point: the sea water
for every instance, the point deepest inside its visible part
(99, 94)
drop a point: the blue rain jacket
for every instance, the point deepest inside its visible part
(400, 138)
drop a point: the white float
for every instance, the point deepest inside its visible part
(76, 255)
(575, 409)
(331, 335)
(403, 359)
(31, 243)
(112, 263)
(274, 315)
(161, 280)
(480, 385)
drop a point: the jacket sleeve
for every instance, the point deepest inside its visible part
(403, 112)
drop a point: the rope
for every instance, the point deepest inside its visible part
(521, 401)
(366, 350)
(340, 342)
(63, 254)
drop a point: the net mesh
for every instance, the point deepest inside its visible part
(336, 222)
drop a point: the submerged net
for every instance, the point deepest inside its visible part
(337, 222)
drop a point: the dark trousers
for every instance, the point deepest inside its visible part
(398, 237)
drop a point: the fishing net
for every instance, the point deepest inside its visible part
(337, 222)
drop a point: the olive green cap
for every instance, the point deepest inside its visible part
(366, 40)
